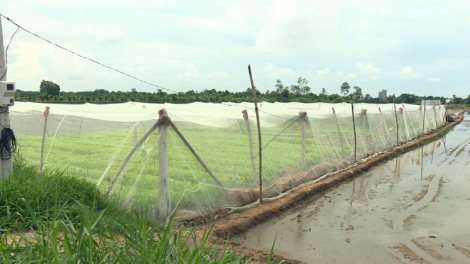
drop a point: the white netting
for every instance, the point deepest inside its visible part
(215, 165)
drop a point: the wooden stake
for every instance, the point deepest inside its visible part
(46, 114)
(162, 172)
(259, 137)
(396, 120)
(354, 128)
(250, 142)
(303, 115)
(424, 115)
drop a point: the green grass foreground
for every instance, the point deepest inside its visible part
(56, 217)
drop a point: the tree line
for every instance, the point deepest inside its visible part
(49, 92)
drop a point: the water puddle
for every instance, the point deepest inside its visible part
(415, 208)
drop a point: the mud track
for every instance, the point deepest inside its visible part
(229, 224)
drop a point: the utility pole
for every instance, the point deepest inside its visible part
(6, 167)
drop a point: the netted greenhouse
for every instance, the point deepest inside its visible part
(199, 157)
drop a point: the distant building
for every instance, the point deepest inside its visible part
(431, 102)
(383, 95)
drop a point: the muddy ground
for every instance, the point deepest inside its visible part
(243, 222)
(411, 209)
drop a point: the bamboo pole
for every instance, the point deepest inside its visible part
(260, 171)
(46, 114)
(339, 131)
(354, 128)
(303, 115)
(424, 115)
(396, 120)
(250, 142)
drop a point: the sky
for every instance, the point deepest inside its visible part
(418, 47)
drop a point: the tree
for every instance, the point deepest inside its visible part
(280, 90)
(17, 95)
(44, 97)
(357, 92)
(324, 92)
(303, 87)
(345, 88)
(49, 88)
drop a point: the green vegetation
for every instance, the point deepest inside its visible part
(224, 150)
(55, 217)
(299, 92)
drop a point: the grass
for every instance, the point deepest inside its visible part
(96, 151)
(55, 217)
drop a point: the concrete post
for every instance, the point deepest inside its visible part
(6, 165)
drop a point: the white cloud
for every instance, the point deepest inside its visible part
(368, 70)
(324, 73)
(185, 45)
(234, 12)
(351, 76)
(299, 25)
(407, 73)
(274, 72)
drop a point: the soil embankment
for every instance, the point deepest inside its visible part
(318, 193)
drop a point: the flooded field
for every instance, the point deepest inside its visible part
(412, 209)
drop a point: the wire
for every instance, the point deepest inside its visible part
(7, 143)
(81, 56)
(6, 51)
(247, 107)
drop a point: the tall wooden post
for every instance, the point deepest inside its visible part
(339, 131)
(162, 169)
(260, 170)
(354, 128)
(396, 121)
(303, 117)
(46, 114)
(424, 114)
(250, 142)
(6, 165)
